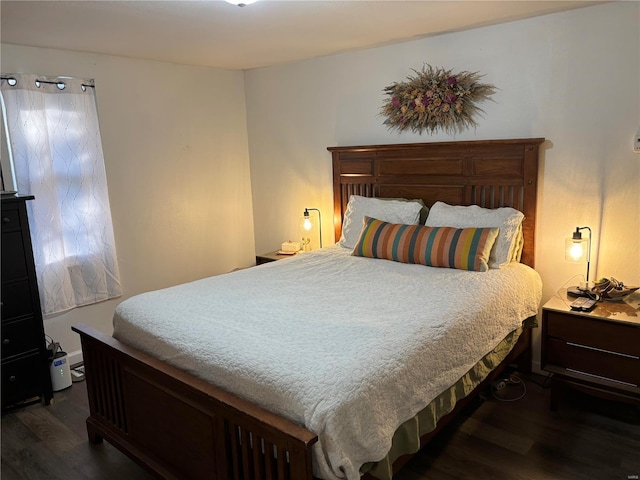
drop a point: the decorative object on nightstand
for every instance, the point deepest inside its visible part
(289, 248)
(612, 289)
(578, 250)
(25, 359)
(307, 226)
(597, 352)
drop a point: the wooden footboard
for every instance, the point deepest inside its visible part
(180, 427)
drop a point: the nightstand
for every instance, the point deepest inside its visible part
(596, 352)
(271, 257)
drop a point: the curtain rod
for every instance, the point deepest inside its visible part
(8, 77)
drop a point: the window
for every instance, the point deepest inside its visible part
(56, 151)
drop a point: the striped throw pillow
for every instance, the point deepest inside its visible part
(448, 247)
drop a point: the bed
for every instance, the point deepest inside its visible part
(167, 414)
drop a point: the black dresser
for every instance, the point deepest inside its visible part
(25, 361)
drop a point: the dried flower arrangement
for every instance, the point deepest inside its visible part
(435, 99)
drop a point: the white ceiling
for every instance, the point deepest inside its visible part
(270, 32)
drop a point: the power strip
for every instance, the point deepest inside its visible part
(501, 384)
(504, 382)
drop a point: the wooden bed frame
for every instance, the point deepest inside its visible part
(180, 427)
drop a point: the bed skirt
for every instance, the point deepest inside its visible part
(406, 439)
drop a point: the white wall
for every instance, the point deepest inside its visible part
(572, 77)
(176, 157)
(175, 142)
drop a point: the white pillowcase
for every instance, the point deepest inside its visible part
(518, 244)
(507, 219)
(391, 211)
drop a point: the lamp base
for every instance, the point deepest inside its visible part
(578, 292)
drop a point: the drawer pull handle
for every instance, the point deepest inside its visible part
(6, 220)
(6, 341)
(634, 357)
(12, 378)
(602, 378)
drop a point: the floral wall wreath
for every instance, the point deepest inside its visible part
(435, 99)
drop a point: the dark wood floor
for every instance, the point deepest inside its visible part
(584, 439)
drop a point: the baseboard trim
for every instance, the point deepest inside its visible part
(536, 368)
(75, 358)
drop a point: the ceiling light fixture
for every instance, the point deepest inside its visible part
(241, 3)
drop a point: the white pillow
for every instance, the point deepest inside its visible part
(518, 244)
(390, 211)
(507, 219)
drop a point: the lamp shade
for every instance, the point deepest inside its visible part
(307, 224)
(576, 250)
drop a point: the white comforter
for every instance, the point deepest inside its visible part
(350, 347)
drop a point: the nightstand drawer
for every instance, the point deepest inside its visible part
(593, 362)
(605, 335)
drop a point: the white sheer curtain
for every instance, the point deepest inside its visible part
(55, 142)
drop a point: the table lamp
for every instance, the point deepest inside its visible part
(307, 225)
(578, 250)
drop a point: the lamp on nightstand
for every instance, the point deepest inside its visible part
(307, 225)
(578, 250)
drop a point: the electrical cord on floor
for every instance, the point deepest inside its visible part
(545, 382)
(77, 373)
(502, 384)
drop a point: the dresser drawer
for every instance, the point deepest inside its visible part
(10, 219)
(602, 334)
(23, 378)
(14, 265)
(16, 300)
(20, 337)
(594, 362)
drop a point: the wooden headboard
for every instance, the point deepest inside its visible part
(490, 173)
